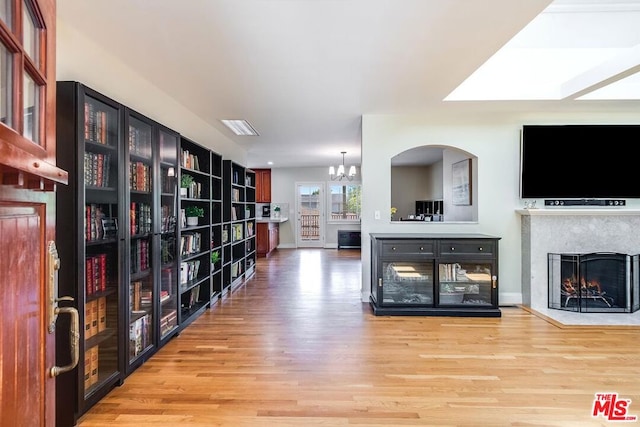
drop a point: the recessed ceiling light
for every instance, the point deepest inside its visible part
(269, 162)
(240, 127)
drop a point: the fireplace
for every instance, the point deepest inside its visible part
(600, 282)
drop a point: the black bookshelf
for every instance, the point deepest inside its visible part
(119, 211)
(238, 219)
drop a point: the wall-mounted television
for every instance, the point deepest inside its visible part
(579, 162)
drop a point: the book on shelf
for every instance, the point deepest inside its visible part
(139, 337)
(94, 364)
(102, 314)
(164, 296)
(109, 227)
(236, 232)
(189, 160)
(95, 274)
(194, 191)
(194, 296)
(139, 142)
(135, 296)
(139, 177)
(95, 124)
(96, 169)
(89, 276)
(168, 321)
(190, 243)
(146, 297)
(166, 280)
(189, 271)
(87, 369)
(88, 332)
(94, 317)
(93, 222)
(139, 255)
(236, 270)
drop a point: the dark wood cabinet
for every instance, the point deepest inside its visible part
(268, 237)
(427, 274)
(263, 185)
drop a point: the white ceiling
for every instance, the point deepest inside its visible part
(303, 72)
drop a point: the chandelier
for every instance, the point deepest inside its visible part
(341, 171)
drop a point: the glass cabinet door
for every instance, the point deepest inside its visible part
(465, 283)
(141, 284)
(168, 144)
(407, 283)
(101, 246)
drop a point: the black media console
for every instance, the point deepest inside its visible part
(348, 239)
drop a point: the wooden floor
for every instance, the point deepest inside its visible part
(295, 346)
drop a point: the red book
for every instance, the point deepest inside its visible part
(103, 272)
(87, 223)
(96, 275)
(89, 276)
(132, 214)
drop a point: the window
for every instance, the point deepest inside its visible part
(6, 86)
(345, 202)
(31, 105)
(24, 73)
(6, 13)
(30, 34)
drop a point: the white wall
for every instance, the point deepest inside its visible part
(497, 150)
(78, 59)
(283, 190)
(495, 141)
(408, 184)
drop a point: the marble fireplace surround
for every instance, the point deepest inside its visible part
(574, 230)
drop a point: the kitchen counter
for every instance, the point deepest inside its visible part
(274, 220)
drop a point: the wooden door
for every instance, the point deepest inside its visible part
(311, 215)
(28, 177)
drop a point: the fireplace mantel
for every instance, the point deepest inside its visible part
(577, 211)
(572, 230)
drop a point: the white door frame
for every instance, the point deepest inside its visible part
(321, 220)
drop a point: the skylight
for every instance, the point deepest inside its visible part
(573, 49)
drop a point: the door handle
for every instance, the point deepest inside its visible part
(53, 265)
(74, 339)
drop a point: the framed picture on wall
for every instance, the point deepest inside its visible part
(461, 183)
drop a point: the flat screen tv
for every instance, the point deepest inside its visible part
(579, 162)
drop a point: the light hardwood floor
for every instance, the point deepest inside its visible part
(295, 346)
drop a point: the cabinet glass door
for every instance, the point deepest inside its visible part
(101, 246)
(141, 284)
(407, 283)
(168, 144)
(465, 284)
